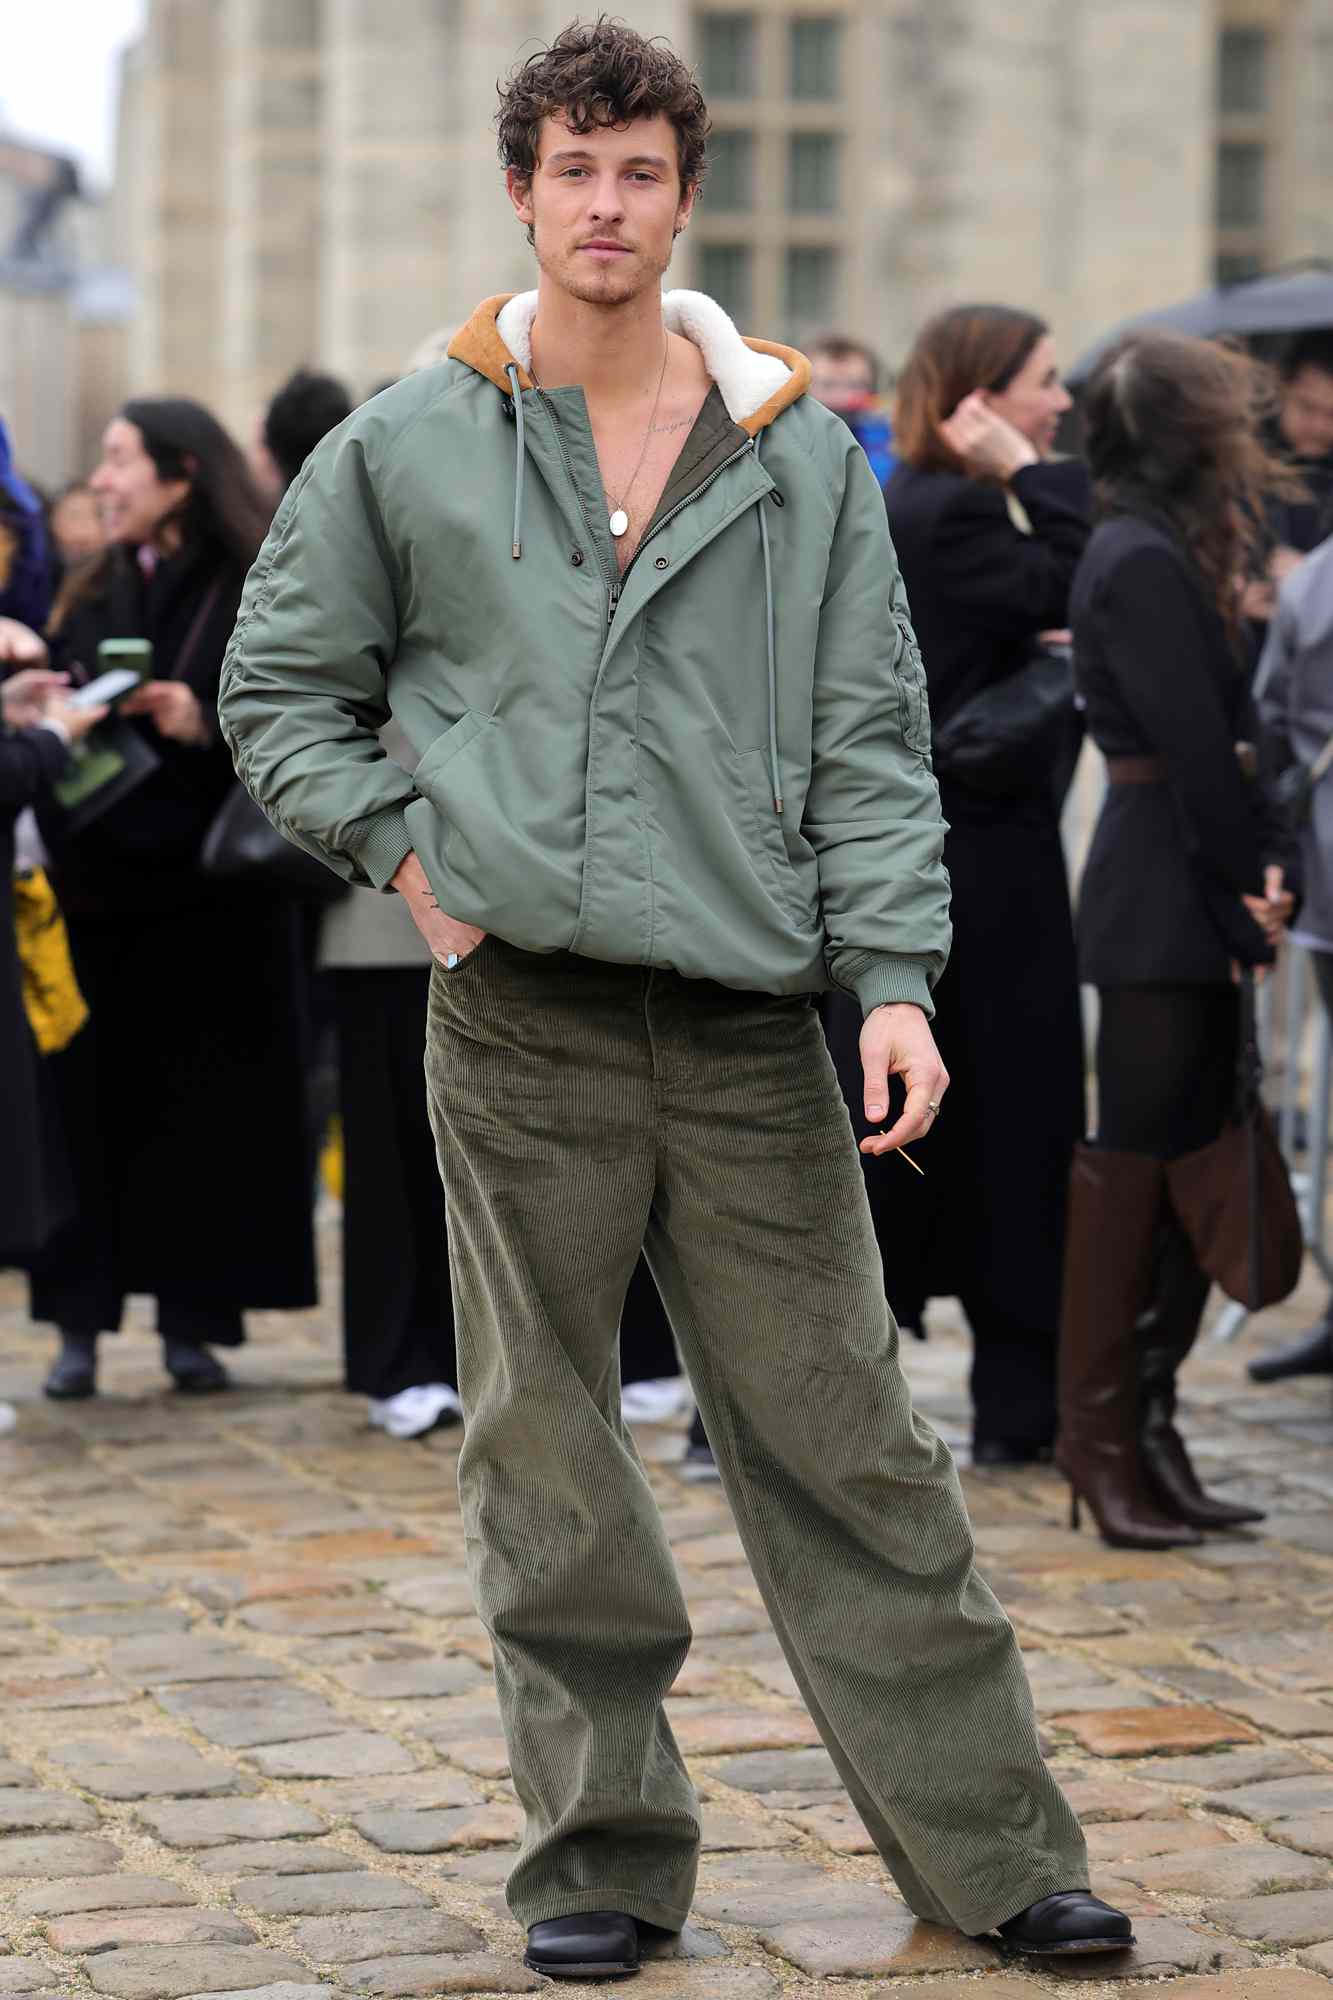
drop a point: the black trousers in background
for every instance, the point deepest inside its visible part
(398, 1314)
(647, 1345)
(1166, 1066)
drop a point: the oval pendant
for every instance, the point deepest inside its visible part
(619, 523)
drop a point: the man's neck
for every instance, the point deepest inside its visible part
(607, 351)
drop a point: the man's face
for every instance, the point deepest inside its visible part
(1306, 414)
(604, 206)
(842, 385)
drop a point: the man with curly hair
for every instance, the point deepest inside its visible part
(632, 590)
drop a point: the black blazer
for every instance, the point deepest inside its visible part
(1160, 901)
(980, 589)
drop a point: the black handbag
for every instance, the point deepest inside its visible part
(242, 845)
(1234, 1195)
(1009, 735)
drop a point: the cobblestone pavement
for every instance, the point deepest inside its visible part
(248, 1743)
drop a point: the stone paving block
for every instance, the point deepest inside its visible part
(1311, 1835)
(895, 1942)
(437, 1787)
(24, 1551)
(145, 1619)
(109, 1930)
(95, 1692)
(1282, 1714)
(1277, 1798)
(488, 1870)
(838, 1825)
(144, 1767)
(364, 1545)
(1225, 1770)
(1054, 1704)
(23, 1810)
(277, 1857)
(1240, 1869)
(408, 1977)
(47, 1857)
(28, 1976)
(328, 1895)
(484, 1756)
(159, 1972)
(101, 1892)
(1130, 1732)
(15, 1775)
(383, 1934)
(779, 1770)
(765, 1890)
(74, 1586)
(1299, 1917)
(221, 1822)
(353, 1754)
(1278, 1982)
(720, 1617)
(437, 1595)
(161, 1659)
(1066, 1620)
(1319, 1958)
(240, 1714)
(408, 1680)
(704, 1981)
(728, 1833)
(45, 1666)
(1165, 1945)
(404, 1831)
(319, 1616)
(1129, 1840)
(287, 1989)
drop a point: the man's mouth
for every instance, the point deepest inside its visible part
(603, 246)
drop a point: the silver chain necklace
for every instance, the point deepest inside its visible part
(618, 519)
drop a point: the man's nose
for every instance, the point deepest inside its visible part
(606, 200)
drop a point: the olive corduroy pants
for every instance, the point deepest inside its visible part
(581, 1111)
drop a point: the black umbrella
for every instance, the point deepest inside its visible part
(1286, 302)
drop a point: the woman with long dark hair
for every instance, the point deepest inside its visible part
(183, 1099)
(989, 528)
(1183, 887)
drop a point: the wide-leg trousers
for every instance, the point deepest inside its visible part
(581, 1111)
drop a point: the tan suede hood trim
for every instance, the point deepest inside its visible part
(479, 346)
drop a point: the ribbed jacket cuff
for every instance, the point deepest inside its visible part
(383, 843)
(887, 982)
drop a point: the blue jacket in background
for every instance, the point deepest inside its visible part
(25, 574)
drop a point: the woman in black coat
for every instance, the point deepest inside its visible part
(1184, 885)
(36, 1197)
(184, 1100)
(989, 531)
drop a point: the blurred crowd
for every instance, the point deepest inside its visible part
(196, 1025)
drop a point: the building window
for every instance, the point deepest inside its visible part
(815, 51)
(811, 287)
(730, 182)
(1242, 72)
(1240, 186)
(812, 173)
(724, 274)
(1233, 267)
(727, 54)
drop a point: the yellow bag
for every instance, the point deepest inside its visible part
(55, 1007)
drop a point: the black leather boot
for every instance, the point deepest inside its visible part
(73, 1377)
(599, 1944)
(193, 1369)
(1063, 1925)
(1167, 1329)
(1312, 1354)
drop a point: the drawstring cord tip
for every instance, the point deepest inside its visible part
(517, 551)
(777, 804)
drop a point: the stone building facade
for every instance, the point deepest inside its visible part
(315, 180)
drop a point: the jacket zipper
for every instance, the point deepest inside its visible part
(669, 516)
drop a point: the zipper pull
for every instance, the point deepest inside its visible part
(612, 600)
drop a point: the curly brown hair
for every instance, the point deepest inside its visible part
(600, 73)
(1175, 428)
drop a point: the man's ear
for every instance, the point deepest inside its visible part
(686, 209)
(518, 185)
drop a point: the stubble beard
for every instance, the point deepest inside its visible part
(608, 287)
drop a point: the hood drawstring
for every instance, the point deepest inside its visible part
(774, 770)
(520, 461)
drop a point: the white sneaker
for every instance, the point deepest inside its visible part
(413, 1412)
(655, 1401)
(8, 1417)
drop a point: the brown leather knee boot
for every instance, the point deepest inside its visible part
(1115, 1203)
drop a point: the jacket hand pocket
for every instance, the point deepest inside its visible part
(442, 752)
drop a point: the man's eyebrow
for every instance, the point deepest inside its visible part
(585, 153)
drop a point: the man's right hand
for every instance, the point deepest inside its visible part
(443, 934)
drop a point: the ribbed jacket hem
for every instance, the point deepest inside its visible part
(383, 843)
(887, 982)
(627, 1902)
